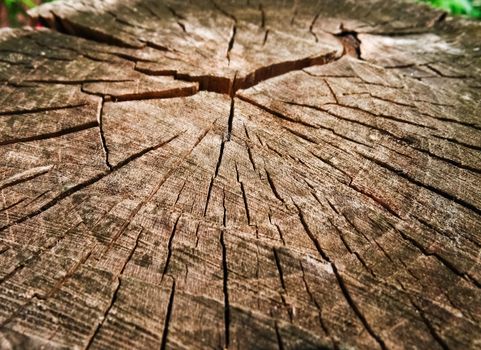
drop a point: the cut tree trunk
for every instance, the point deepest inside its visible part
(242, 175)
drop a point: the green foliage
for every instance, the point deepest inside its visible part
(17, 10)
(471, 8)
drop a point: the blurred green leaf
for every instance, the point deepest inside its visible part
(471, 8)
(28, 3)
(17, 10)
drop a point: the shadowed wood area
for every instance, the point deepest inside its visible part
(240, 174)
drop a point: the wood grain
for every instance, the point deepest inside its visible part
(240, 174)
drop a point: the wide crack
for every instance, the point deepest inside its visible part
(350, 43)
(228, 86)
(214, 83)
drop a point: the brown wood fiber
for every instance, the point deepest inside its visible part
(240, 174)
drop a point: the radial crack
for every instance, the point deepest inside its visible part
(450, 266)
(225, 290)
(61, 196)
(313, 23)
(51, 135)
(178, 18)
(231, 118)
(102, 135)
(209, 192)
(231, 41)
(244, 197)
(219, 160)
(169, 247)
(276, 113)
(263, 16)
(438, 191)
(339, 279)
(279, 268)
(430, 327)
(318, 306)
(24, 176)
(168, 316)
(41, 109)
(274, 188)
(115, 294)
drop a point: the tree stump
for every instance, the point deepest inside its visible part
(240, 174)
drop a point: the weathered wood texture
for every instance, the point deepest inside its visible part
(220, 174)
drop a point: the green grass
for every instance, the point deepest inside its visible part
(471, 8)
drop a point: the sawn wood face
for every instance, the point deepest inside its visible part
(242, 175)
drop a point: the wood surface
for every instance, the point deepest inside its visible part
(242, 175)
